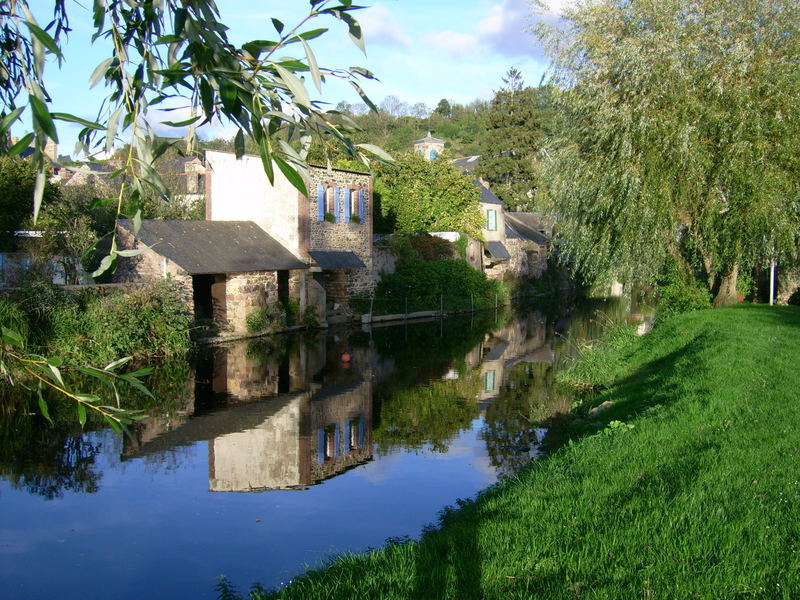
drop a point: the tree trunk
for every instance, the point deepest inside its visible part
(727, 288)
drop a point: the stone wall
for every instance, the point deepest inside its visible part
(528, 260)
(246, 293)
(150, 266)
(341, 235)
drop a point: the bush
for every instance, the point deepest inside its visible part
(266, 318)
(680, 294)
(427, 281)
(147, 320)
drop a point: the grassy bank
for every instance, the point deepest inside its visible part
(687, 487)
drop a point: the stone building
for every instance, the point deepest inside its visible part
(225, 269)
(330, 228)
(429, 147)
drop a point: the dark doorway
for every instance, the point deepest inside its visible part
(201, 292)
(283, 286)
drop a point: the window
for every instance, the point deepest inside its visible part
(433, 154)
(489, 381)
(491, 220)
(330, 200)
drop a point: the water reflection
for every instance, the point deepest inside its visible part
(381, 428)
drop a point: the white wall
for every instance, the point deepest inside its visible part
(239, 190)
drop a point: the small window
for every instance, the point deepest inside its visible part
(433, 154)
(489, 381)
(491, 220)
(330, 201)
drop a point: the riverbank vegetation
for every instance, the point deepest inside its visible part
(97, 325)
(681, 488)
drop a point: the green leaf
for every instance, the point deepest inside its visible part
(310, 34)
(365, 73)
(238, 144)
(135, 383)
(43, 406)
(377, 151)
(23, 143)
(137, 221)
(278, 25)
(291, 174)
(9, 336)
(100, 71)
(45, 39)
(189, 121)
(364, 96)
(105, 265)
(228, 93)
(56, 374)
(88, 398)
(73, 119)
(117, 363)
(313, 67)
(42, 118)
(8, 120)
(38, 191)
(296, 88)
(114, 424)
(133, 252)
(266, 159)
(81, 414)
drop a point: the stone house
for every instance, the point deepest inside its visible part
(226, 269)
(330, 228)
(429, 147)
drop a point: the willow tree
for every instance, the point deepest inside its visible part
(681, 138)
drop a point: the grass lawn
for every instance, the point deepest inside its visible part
(694, 492)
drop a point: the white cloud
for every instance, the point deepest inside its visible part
(506, 29)
(380, 28)
(452, 43)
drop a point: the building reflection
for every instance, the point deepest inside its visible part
(271, 420)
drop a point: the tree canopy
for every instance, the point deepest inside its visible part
(420, 195)
(681, 137)
(512, 141)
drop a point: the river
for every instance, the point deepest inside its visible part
(264, 457)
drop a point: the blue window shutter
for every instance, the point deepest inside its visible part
(347, 193)
(320, 446)
(336, 203)
(336, 438)
(361, 204)
(360, 431)
(320, 202)
(347, 447)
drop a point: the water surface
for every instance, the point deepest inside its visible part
(265, 457)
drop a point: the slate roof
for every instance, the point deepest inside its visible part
(497, 250)
(429, 138)
(533, 227)
(203, 247)
(487, 196)
(335, 259)
(467, 163)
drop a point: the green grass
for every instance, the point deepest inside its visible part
(700, 498)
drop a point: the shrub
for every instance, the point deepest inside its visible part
(427, 281)
(680, 294)
(794, 299)
(146, 320)
(265, 318)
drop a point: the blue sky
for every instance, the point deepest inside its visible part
(421, 50)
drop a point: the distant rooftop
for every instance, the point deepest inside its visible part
(466, 164)
(430, 139)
